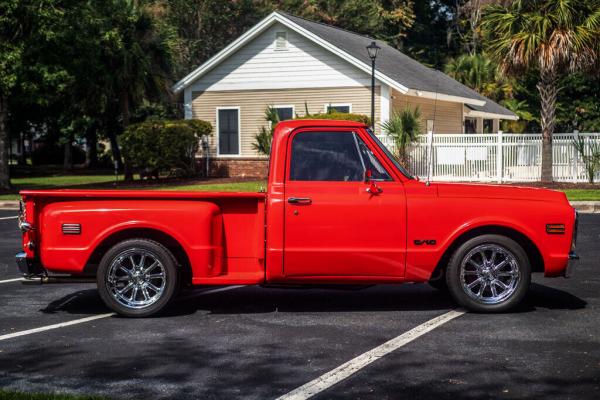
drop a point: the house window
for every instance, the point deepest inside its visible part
(281, 42)
(340, 108)
(284, 112)
(228, 130)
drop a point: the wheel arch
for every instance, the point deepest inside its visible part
(157, 235)
(531, 249)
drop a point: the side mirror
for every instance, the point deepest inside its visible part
(373, 188)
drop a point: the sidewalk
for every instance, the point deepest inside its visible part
(591, 207)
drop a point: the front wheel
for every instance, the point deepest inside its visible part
(137, 277)
(489, 273)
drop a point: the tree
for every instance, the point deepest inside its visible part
(138, 60)
(25, 27)
(479, 73)
(552, 36)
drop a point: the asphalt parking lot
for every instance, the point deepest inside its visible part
(256, 343)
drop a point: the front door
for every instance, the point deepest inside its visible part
(333, 226)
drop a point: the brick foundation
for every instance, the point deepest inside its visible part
(247, 167)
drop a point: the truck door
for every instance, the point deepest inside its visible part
(333, 225)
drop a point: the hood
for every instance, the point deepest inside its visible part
(483, 191)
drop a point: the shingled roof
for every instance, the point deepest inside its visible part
(393, 67)
(397, 65)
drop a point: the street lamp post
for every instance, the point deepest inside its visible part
(372, 49)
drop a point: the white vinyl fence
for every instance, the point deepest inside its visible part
(498, 157)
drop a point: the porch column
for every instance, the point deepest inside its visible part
(496, 125)
(479, 124)
(384, 105)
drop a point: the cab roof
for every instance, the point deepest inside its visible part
(312, 123)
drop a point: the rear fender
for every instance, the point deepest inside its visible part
(196, 225)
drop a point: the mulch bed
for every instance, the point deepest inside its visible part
(558, 185)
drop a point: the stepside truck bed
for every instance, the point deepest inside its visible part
(217, 236)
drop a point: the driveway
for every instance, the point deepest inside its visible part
(255, 343)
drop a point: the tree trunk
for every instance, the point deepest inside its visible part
(125, 115)
(4, 144)
(91, 153)
(23, 156)
(68, 159)
(548, 88)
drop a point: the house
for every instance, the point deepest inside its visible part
(294, 64)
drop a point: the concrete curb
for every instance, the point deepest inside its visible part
(9, 205)
(588, 207)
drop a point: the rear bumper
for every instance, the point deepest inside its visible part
(28, 266)
(571, 264)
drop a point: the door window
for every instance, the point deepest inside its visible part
(332, 156)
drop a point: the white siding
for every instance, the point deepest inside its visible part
(258, 65)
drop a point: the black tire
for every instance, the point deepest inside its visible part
(168, 282)
(517, 261)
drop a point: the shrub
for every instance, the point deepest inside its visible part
(403, 127)
(264, 137)
(163, 145)
(589, 151)
(340, 116)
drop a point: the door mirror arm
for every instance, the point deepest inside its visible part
(373, 188)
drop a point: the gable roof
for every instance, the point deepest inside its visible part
(392, 67)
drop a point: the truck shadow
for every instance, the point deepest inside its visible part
(255, 300)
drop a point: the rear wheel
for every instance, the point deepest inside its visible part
(137, 277)
(489, 273)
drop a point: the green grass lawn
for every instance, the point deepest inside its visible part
(60, 181)
(72, 181)
(5, 395)
(219, 187)
(583, 194)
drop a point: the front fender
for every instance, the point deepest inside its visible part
(449, 219)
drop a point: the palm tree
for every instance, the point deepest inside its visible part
(403, 127)
(553, 37)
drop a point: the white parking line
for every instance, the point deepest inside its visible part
(55, 326)
(345, 370)
(11, 280)
(16, 216)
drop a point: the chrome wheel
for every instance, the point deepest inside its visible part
(489, 274)
(136, 278)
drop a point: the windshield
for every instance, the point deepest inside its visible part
(391, 156)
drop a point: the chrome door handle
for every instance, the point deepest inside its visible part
(299, 200)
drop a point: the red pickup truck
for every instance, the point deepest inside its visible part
(338, 210)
